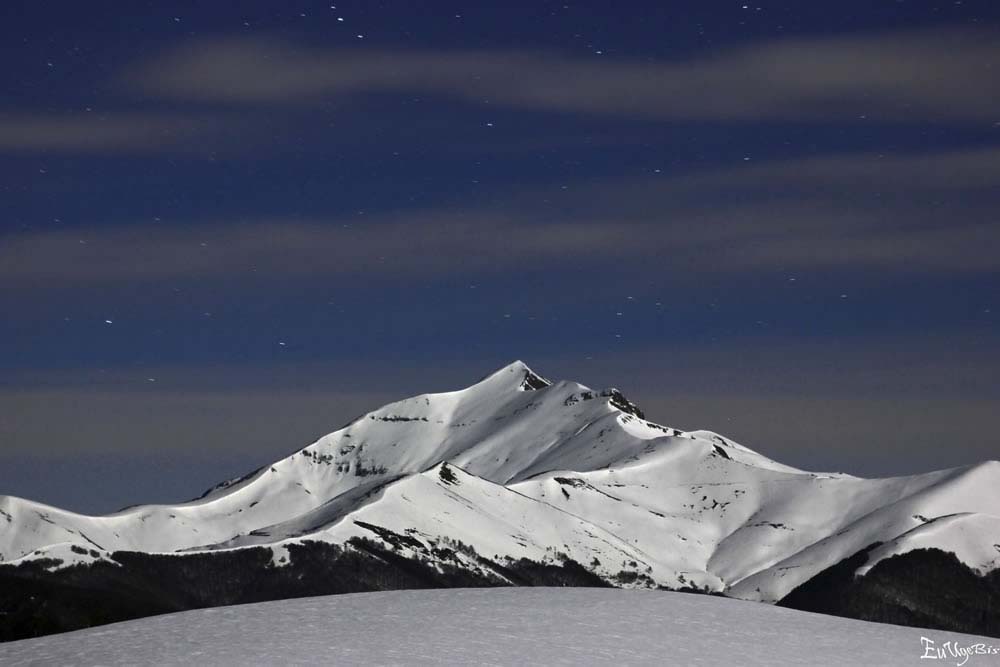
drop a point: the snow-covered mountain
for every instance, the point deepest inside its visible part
(517, 467)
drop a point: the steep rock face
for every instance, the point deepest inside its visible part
(520, 468)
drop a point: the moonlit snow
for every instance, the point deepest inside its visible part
(507, 626)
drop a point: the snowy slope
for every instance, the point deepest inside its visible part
(521, 626)
(549, 471)
(963, 533)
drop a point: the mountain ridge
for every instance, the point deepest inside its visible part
(523, 469)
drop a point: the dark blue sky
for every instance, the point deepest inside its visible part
(226, 231)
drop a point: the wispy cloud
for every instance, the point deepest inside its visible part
(920, 212)
(818, 403)
(910, 76)
(101, 132)
(429, 243)
(937, 74)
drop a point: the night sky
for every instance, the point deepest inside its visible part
(228, 228)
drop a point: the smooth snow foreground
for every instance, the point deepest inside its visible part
(504, 626)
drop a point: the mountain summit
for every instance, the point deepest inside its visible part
(516, 469)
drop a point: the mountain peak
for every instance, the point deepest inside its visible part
(528, 380)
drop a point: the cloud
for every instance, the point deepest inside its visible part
(145, 422)
(942, 74)
(104, 132)
(419, 244)
(880, 405)
(880, 173)
(909, 76)
(924, 212)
